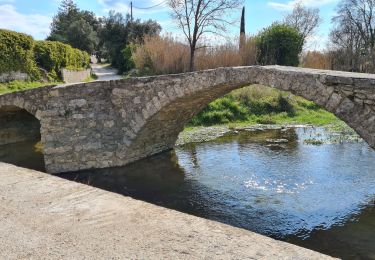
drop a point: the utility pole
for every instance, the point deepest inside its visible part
(131, 11)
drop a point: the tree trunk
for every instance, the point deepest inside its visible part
(192, 55)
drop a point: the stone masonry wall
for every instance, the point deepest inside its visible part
(14, 75)
(112, 123)
(73, 76)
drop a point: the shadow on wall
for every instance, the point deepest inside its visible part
(20, 138)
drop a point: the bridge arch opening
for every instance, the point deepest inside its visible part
(161, 130)
(20, 138)
(259, 104)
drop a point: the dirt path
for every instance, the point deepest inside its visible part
(104, 72)
(46, 217)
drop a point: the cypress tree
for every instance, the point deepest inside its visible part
(242, 31)
(243, 21)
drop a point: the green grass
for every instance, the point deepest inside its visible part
(262, 105)
(91, 78)
(17, 85)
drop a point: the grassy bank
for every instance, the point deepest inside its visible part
(262, 105)
(17, 85)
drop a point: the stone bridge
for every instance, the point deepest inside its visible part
(112, 123)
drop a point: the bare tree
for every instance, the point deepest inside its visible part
(346, 47)
(304, 19)
(361, 15)
(355, 23)
(199, 17)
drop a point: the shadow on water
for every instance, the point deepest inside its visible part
(271, 182)
(23, 154)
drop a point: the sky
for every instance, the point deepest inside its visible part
(34, 16)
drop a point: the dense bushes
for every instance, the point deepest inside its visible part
(223, 110)
(53, 56)
(19, 52)
(279, 44)
(16, 53)
(125, 60)
(241, 105)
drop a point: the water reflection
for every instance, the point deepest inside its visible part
(23, 154)
(266, 181)
(271, 182)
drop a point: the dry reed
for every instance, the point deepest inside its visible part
(165, 55)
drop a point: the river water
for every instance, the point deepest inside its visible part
(272, 182)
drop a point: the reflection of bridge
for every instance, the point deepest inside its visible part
(112, 123)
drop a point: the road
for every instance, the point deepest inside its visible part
(104, 72)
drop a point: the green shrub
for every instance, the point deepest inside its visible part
(54, 56)
(126, 62)
(221, 111)
(266, 120)
(285, 105)
(279, 44)
(17, 85)
(16, 53)
(262, 105)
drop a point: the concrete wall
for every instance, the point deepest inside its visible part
(112, 123)
(72, 76)
(14, 75)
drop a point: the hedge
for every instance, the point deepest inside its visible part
(53, 56)
(19, 52)
(16, 53)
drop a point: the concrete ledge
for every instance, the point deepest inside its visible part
(45, 217)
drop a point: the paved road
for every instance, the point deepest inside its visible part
(105, 73)
(45, 217)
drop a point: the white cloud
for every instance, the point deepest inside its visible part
(36, 25)
(290, 4)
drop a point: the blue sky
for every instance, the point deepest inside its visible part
(34, 16)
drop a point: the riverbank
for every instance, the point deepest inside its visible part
(18, 85)
(46, 217)
(334, 133)
(260, 108)
(257, 104)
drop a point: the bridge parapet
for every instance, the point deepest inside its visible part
(112, 123)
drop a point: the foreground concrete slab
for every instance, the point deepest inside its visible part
(46, 217)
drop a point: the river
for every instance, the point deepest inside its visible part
(274, 182)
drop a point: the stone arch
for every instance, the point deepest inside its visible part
(17, 126)
(338, 94)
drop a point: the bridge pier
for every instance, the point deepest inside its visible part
(112, 123)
